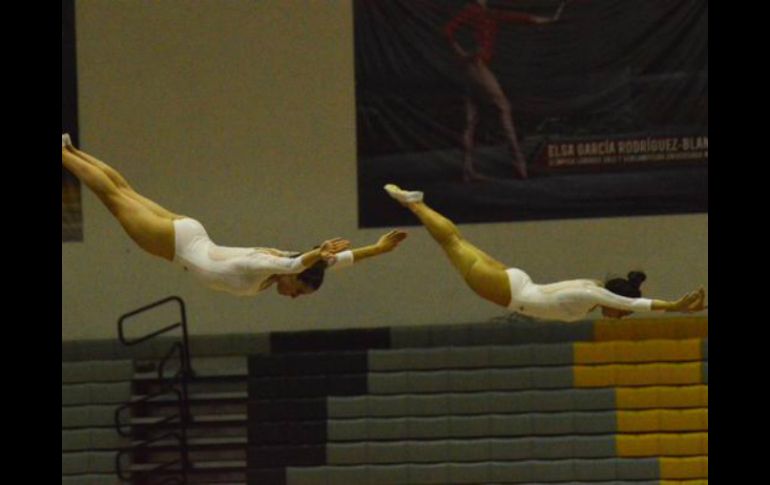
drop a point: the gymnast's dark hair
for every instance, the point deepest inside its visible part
(314, 275)
(627, 286)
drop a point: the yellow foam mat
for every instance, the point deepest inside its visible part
(662, 420)
(695, 467)
(658, 397)
(684, 482)
(651, 328)
(666, 445)
(638, 351)
(618, 375)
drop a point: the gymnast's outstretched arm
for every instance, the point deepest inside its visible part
(693, 301)
(385, 244)
(278, 262)
(689, 303)
(524, 18)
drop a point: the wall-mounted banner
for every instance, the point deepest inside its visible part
(508, 110)
(625, 151)
(71, 211)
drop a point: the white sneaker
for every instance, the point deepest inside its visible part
(403, 196)
(66, 141)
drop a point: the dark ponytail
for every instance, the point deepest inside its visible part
(629, 287)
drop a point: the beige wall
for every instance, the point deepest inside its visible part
(233, 111)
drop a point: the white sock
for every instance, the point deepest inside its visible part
(66, 141)
(403, 196)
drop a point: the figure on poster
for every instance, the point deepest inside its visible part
(483, 85)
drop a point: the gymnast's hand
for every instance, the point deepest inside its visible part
(464, 56)
(698, 303)
(557, 15)
(690, 303)
(390, 241)
(331, 247)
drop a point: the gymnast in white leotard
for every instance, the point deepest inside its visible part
(240, 271)
(247, 271)
(512, 288)
(184, 241)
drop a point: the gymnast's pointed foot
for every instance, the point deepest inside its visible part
(405, 197)
(66, 141)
